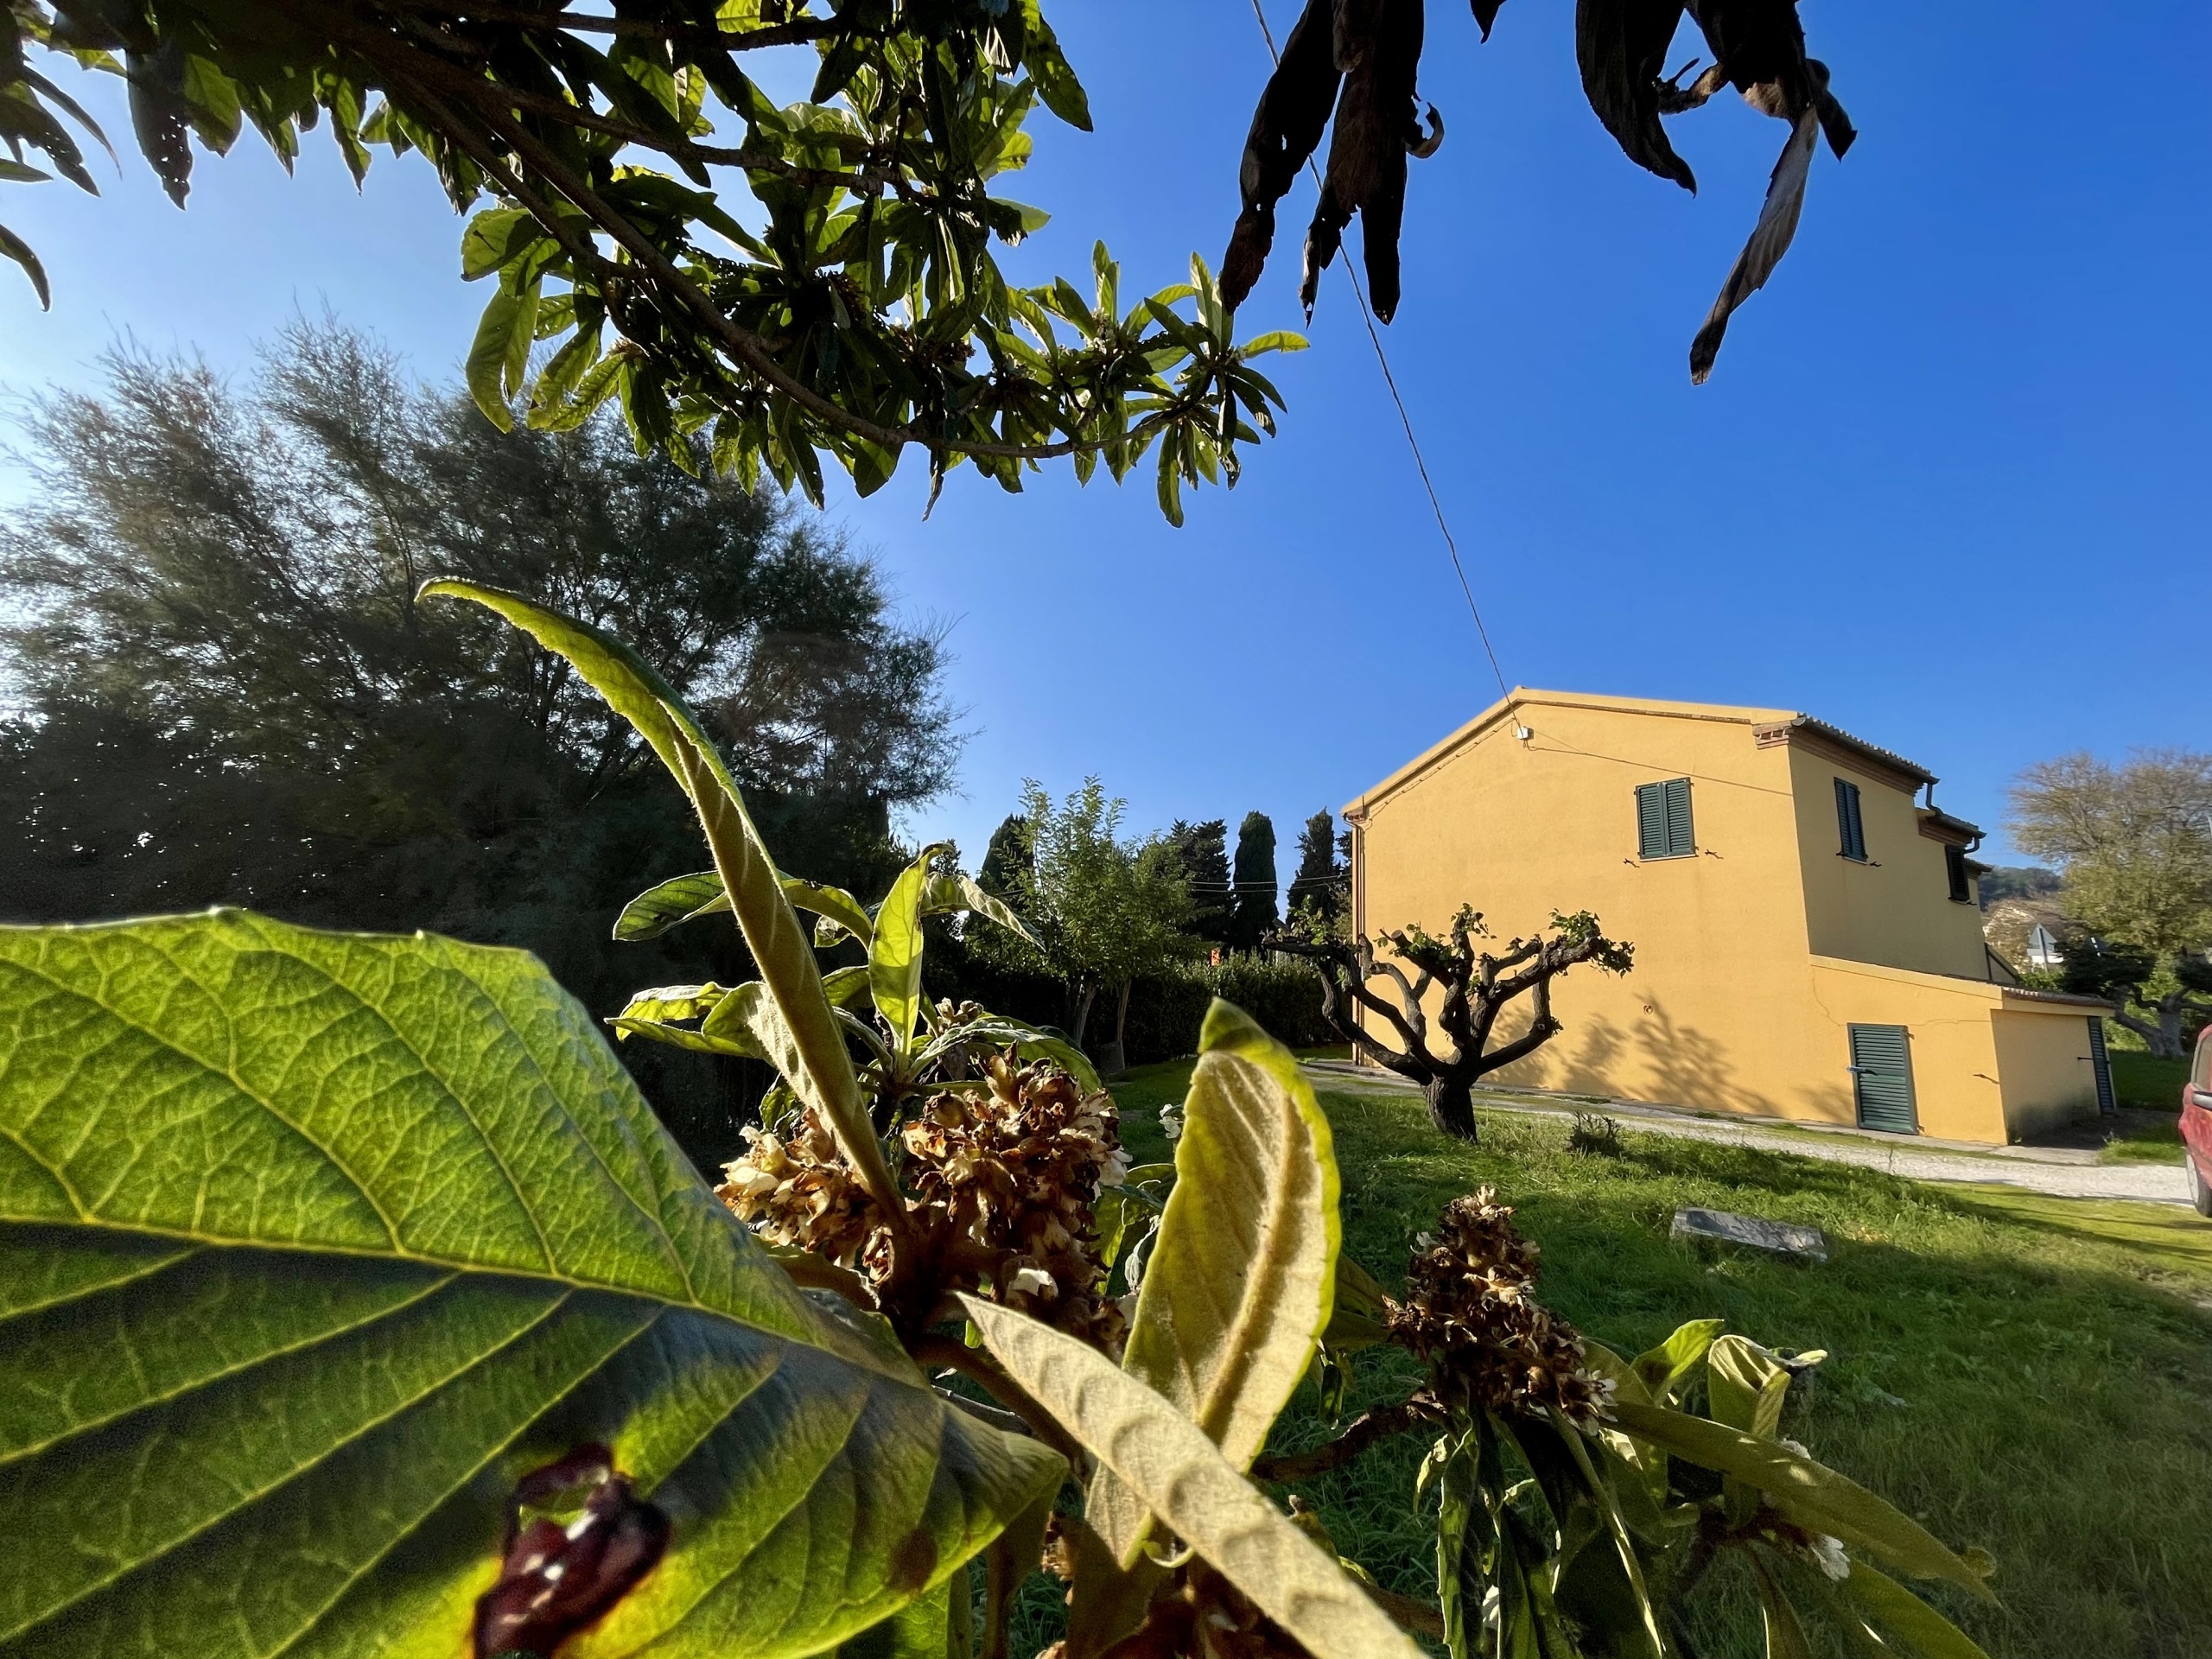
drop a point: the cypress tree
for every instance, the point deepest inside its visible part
(1255, 915)
(1320, 883)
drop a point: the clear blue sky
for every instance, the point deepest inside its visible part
(1947, 489)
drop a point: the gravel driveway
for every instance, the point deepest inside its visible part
(2063, 1171)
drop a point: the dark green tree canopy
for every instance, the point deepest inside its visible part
(234, 695)
(1319, 886)
(1202, 853)
(1255, 915)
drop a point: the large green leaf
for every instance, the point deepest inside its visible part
(895, 954)
(960, 890)
(1169, 1461)
(311, 1243)
(1808, 1493)
(1241, 1279)
(680, 899)
(1895, 1608)
(824, 1076)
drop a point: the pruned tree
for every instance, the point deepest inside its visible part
(1457, 991)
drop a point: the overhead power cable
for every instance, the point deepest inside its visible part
(1382, 359)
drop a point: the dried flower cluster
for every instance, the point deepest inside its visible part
(1004, 1179)
(1471, 1313)
(795, 1188)
(1015, 1171)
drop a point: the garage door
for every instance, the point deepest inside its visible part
(1881, 1068)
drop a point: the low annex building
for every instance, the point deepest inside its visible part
(1807, 927)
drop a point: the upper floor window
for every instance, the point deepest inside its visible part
(1662, 819)
(1849, 825)
(1954, 866)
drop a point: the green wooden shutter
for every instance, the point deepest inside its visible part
(2100, 1069)
(1651, 820)
(1881, 1067)
(1679, 841)
(1850, 827)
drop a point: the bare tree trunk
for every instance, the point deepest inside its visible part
(1082, 1001)
(1122, 1016)
(1451, 1105)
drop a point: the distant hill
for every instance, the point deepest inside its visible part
(2028, 881)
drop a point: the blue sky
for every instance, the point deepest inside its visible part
(1947, 488)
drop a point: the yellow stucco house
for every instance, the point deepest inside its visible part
(1807, 928)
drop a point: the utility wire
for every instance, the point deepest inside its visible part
(1382, 359)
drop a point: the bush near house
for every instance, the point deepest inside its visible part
(1165, 1010)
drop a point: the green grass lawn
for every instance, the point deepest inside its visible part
(2027, 1374)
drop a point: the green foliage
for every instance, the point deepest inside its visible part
(2025, 1372)
(2135, 842)
(824, 288)
(1254, 915)
(1101, 910)
(231, 695)
(313, 1244)
(1201, 852)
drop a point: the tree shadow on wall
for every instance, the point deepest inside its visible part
(1658, 1060)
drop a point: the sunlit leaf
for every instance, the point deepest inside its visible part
(1809, 1493)
(895, 954)
(1241, 1279)
(312, 1243)
(823, 1068)
(1169, 1461)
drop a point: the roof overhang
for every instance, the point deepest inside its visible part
(1818, 737)
(1952, 832)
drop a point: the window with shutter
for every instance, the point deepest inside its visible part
(1662, 819)
(1849, 826)
(1954, 864)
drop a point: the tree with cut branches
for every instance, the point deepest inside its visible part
(1467, 987)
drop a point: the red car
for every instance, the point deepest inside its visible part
(2197, 1123)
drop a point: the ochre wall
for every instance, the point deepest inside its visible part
(1957, 1084)
(1895, 909)
(2044, 1061)
(1732, 1006)
(1520, 829)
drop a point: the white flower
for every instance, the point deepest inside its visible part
(1828, 1556)
(1798, 1447)
(1035, 1280)
(1115, 1167)
(1171, 1122)
(751, 1183)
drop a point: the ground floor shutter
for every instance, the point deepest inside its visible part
(1881, 1068)
(2101, 1066)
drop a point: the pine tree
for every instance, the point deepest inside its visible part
(1255, 915)
(1201, 852)
(1320, 883)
